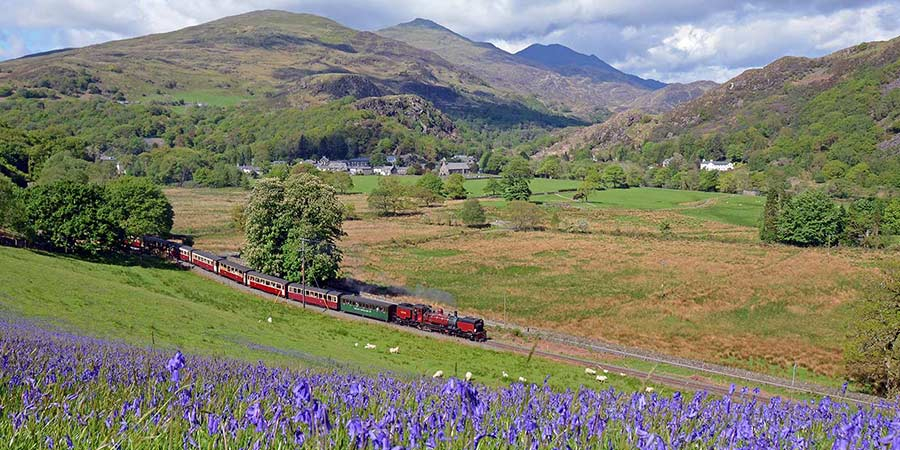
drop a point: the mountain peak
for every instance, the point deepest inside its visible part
(566, 61)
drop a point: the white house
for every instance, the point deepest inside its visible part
(721, 166)
(250, 170)
(383, 170)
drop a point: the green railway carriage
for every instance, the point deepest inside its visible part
(367, 307)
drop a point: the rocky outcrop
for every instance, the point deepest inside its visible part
(412, 111)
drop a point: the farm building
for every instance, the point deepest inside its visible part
(450, 168)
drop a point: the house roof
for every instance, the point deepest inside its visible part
(455, 166)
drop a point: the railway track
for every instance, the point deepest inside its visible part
(670, 381)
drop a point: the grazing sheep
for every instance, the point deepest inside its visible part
(605, 371)
(522, 379)
(590, 371)
(649, 389)
(468, 376)
(370, 346)
(356, 344)
(394, 349)
(622, 374)
(438, 374)
(601, 378)
(269, 320)
(505, 375)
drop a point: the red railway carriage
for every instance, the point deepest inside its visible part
(266, 283)
(184, 253)
(314, 296)
(160, 247)
(233, 271)
(206, 260)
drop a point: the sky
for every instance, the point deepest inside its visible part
(672, 41)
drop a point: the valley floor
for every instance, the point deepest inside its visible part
(705, 288)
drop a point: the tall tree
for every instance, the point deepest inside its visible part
(292, 227)
(493, 186)
(872, 352)
(810, 218)
(515, 178)
(613, 177)
(768, 228)
(431, 187)
(70, 216)
(389, 197)
(139, 207)
(455, 187)
(10, 205)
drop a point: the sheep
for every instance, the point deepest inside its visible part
(522, 379)
(438, 374)
(370, 346)
(356, 344)
(468, 376)
(590, 371)
(601, 378)
(269, 320)
(505, 375)
(605, 371)
(394, 349)
(649, 389)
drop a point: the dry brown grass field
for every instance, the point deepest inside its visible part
(705, 289)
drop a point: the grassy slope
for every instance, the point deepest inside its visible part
(156, 304)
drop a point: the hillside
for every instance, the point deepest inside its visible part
(272, 57)
(832, 121)
(589, 93)
(670, 96)
(568, 62)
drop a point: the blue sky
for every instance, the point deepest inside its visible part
(676, 40)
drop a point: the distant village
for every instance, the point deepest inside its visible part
(464, 165)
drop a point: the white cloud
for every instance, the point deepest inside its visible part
(511, 46)
(11, 46)
(726, 46)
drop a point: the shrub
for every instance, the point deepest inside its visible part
(524, 216)
(471, 213)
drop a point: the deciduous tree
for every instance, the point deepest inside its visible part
(455, 187)
(73, 217)
(389, 197)
(139, 207)
(810, 219)
(524, 216)
(515, 178)
(292, 228)
(872, 352)
(471, 213)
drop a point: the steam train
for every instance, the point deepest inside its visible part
(413, 315)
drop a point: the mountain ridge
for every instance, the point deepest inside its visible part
(567, 61)
(566, 93)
